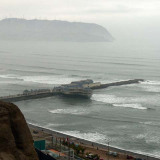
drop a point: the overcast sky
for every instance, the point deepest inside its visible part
(123, 18)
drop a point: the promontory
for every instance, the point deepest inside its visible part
(52, 30)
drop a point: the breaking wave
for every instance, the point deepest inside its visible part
(58, 79)
(69, 111)
(151, 82)
(53, 125)
(151, 86)
(149, 137)
(91, 136)
(106, 98)
(11, 76)
(131, 105)
(151, 123)
(126, 102)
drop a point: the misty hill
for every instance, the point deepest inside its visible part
(52, 30)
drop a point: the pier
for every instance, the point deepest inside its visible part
(27, 95)
(134, 81)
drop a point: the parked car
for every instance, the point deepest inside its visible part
(92, 156)
(114, 154)
(130, 157)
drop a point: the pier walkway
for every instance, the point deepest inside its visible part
(50, 93)
(134, 81)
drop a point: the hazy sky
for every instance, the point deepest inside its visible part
(123, 18)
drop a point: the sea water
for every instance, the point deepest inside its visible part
(127, 116)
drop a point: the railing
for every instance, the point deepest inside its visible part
(22, 95)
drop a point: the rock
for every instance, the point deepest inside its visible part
(16, 142)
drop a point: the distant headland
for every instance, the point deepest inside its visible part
(52, 30)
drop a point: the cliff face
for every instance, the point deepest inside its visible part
(16, 142)
(52, 30)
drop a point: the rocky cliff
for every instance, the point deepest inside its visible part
(52, 30)
(16, 142)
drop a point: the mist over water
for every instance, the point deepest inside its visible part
(128, 115)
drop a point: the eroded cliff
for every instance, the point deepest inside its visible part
(16, 142)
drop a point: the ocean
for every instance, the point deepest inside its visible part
(127, 116)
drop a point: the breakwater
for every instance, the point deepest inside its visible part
(50, 93)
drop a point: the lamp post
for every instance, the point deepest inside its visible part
(108, 150)
(108, 147)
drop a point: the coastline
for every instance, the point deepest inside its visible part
(90, 143)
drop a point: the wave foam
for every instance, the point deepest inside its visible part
(151, 86)
(49, 79)
(58, 79)
(69, 111)
(150, 123)
(53, 125)
(8, 76)
(140, 136)
(151, 82)
(92, 136)
(131, 105)
(126, 102)
(107, 98)
(150, 139)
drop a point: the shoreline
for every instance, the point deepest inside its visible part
(95, 144)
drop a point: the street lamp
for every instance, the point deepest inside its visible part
(108, 141)
(108, 150)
